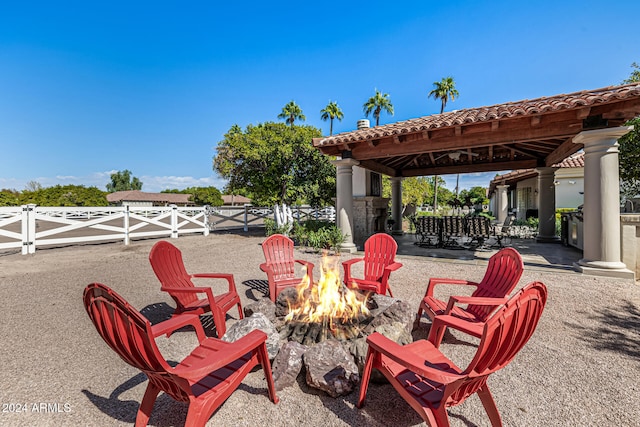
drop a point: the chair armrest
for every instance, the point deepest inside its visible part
(393, 266)
(226, 276)
(265, 266)
(177, 322)
(230, 352)
(195, 290)
(349, 262)
(309, 266)
(346, 265)
(456, 299)
(442, 281)
(383, 345)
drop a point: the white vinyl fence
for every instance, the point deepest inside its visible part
(29, 227)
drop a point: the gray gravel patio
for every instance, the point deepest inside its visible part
(581, 368)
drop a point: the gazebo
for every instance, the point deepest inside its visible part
(528, 134)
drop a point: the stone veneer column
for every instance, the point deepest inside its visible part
(344, 201)
(502, 203)
(396, 204)
(601, 255)
(547, 206)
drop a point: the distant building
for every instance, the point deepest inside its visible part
(235, 200)
(139, 198)
(523, 187)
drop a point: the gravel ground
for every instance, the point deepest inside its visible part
(580, 368)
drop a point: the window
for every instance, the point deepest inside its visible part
(375, 184)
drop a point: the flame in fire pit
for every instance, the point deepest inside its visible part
(328, 300)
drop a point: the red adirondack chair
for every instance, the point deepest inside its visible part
(280, 264)
(203, 380)
(166, 261)
(431, 383)
(503, 273)
(379, 261)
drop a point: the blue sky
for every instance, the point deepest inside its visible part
(89, 88)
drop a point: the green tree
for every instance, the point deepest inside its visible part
(376, 104)
(416, 191)
(291, 112)
(9, 197)
(275, 163)
(635, 74)
(122, 181)
(201, 195)
(330, 112)
(473, 196)
(67, 195)
(444, 90)
(630, 161)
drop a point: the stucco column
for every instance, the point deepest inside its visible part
(502, 203)
(396, 204)
(602, 254)
(547, 206)
(344, 201)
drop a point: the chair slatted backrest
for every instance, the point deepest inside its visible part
(504, 335)
(432, 225)
(166, 261)
(501, 277)
(479, 226)
(278, 253)
(379, 251)
(128, 333)
(453, 226)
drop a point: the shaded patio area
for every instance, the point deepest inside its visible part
(536, 255)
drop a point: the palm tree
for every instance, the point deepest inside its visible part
(376, 104)
(444, 90)
(291, 112)
(331, 111)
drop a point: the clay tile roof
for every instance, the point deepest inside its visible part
(139, 196)
(235, 199)
(525, 107)
(575, 161)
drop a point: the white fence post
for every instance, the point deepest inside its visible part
(28, 229)
(174, 221)
(127, 240)
(246, 218)
(205, 220)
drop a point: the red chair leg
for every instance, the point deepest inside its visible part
(149, 399)
(366, 376)
(490, 406)
(436, 334)
(263, 358)
(240, 313)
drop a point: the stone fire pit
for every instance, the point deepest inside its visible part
(332, 360)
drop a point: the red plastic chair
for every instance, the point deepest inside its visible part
(203, 380)
(503, 273)
(280, 264)
(379, 261)
(431, 383)
(166, 261)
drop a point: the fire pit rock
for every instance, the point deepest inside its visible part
(331, 368)
(256, 321)
(288, 364)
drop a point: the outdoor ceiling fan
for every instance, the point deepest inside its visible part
(455, 155)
